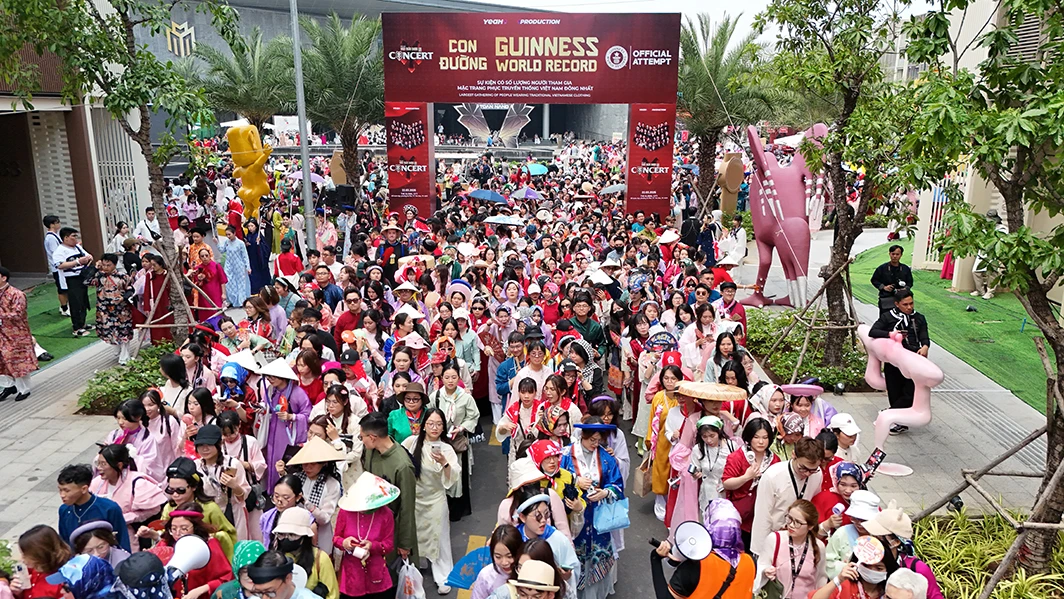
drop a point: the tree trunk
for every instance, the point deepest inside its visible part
(707, 172)
(258, 123)
(847, 228)
(1036, 556)
(166, 245)
(349, 140)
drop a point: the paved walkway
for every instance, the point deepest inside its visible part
(974, 418)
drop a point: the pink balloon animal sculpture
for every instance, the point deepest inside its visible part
(778, 209)
(921, 371)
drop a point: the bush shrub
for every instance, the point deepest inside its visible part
(766, 326)
(964, 551)
(108, 388)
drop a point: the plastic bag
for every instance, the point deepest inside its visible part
(411, 585)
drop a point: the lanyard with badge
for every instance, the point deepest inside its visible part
(794, 483)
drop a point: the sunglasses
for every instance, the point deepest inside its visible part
(177, 490)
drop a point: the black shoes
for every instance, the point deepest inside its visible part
(6, 393)
(22, 396)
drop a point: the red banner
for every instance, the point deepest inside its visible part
(411, 167)
(535, 58)
(651, 128)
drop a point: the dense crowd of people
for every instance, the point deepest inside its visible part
(324, 435)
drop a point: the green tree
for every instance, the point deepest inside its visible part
(102, 62)
(248, 80)
(832, 51)
(343, 74)
(716, 89)
(1007, 120)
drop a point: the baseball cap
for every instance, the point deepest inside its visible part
(349, 357)
(845, 423)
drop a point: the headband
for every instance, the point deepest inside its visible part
(531, 501)
(602, 398)
(261, 574)
(185, 514)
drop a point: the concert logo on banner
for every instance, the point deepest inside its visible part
(533, 58)
(411, 169)
(651, 128)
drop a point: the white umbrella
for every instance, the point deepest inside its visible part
(314, 177)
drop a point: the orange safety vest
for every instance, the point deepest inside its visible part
(714, 572)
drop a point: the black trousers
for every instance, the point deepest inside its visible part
(460, 507)
(900, 390)
(78, 298)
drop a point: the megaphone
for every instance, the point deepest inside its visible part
(299, 576)
(693, 540)
(190, 553)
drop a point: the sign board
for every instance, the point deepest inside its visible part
(533, 58)
(651, 128)
(411, 166)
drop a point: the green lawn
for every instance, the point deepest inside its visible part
(989, 339)
(50, 328)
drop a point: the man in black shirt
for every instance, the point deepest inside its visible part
(890, 277)
(913, 326)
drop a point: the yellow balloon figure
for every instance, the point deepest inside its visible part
(249, 156)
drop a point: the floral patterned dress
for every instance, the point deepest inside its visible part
(114, 315)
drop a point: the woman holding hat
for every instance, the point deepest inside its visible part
(366, 533)
(863, 575)
(462, 416)
(316, 462)
(187, 520)
(524, 475)
(286, 413)
(598, 475)
(438, 471)
(294, 537)
(407, 420)
(224, 478)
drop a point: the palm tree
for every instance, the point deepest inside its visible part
(343, 74)
(717, 89)
(249, 81)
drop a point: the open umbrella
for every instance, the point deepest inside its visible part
(503, 219)
(535, 169)
(691, 167)
(314, 177)
(465, 572)
(619, 188)
(489, 195)
(526, 193)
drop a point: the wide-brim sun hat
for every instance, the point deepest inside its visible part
(294, 521)
(316, 451)
(669, 236)
(410, 311)
(802, 390)
(524, 471)
(279, 368)
(244, 358)
(414, 341)
(864, 505)
(369, 492)
(711, 391)
(535, 574)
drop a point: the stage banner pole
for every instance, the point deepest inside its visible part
(411, 169)
(651, 128)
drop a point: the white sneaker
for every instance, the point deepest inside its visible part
(974, 294)
(65, 311)
(988, 295)
(443, 589)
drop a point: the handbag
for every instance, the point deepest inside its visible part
(644, 479)
(460, 443)
(773, 589)
(611, 515)
(256, 499)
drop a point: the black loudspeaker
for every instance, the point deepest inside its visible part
(345, 195)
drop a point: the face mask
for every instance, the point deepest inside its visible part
(289, 545)
(871, 576)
